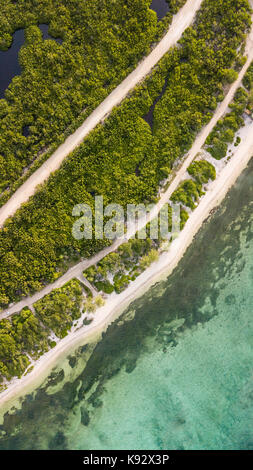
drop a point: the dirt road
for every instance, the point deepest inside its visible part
(180, 22)
(76, 271)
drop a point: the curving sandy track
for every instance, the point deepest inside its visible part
(76, 271)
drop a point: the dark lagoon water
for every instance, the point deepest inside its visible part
(175, 371)
(161, 7)
(9, 64)
(149, 117)
(44, 29)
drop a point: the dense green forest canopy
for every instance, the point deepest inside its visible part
(102, 41)
(21, 335)
(26, 335)
(58, 309)
(123, 160)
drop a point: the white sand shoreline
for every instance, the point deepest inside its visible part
(116, 304)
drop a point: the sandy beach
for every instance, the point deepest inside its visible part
(116, 304)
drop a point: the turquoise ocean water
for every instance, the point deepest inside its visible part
(175, 371)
